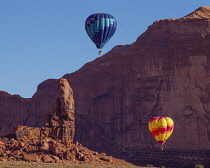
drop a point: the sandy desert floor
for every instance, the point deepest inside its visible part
(10, 164)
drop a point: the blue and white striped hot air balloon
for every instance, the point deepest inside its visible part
(100, 27)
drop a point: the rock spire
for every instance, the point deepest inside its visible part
(60, 124)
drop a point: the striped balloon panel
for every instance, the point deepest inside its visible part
(161, 128)
(100, 28)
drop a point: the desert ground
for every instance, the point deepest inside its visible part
(10, 164)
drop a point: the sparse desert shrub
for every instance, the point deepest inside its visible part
(149, 165)
(199, 166)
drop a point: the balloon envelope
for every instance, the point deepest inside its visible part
(161, 128)
(100, 27)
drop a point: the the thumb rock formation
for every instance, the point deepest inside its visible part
(60, 124)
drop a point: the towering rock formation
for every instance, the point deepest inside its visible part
(60, 124)
(165, 72)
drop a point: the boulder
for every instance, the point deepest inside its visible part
(30, 157)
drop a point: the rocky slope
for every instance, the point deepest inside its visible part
(32, 148)
(165, 72)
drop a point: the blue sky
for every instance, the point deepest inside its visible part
(45, 39)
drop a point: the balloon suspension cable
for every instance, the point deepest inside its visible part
(100, 52)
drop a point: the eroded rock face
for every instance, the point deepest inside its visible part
(61, 122)
(165, 72)
(58, 125)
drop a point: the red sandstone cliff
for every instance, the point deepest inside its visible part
(165, 72)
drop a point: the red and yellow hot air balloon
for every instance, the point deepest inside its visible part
(161, 129)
